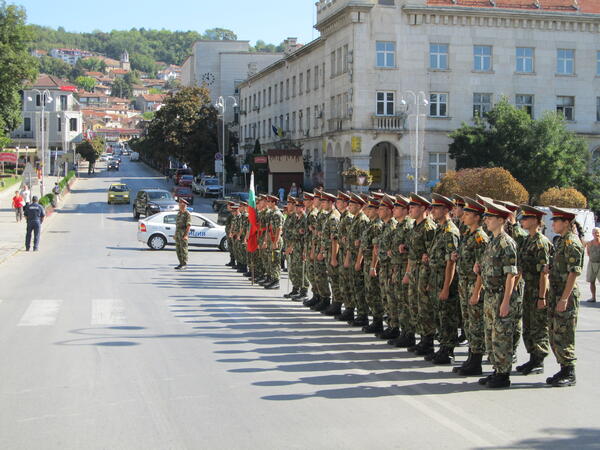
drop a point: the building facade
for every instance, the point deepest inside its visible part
(353, 96)
(70, 55)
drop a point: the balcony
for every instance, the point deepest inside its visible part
(22, 135)
(393, 123)
(335, 124)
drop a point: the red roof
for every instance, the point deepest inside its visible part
(51, 82)
(94, 74)
(581, 6)
(119, 71)
(154, 97)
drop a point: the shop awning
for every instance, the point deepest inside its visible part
(286, 161)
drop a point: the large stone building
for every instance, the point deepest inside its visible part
(344, 98)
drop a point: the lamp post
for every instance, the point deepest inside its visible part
(419, 100)
(221, 104)
(44, 96)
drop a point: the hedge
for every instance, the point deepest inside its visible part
(47, 199)
(563, 198)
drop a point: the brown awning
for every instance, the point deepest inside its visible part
(286, 161)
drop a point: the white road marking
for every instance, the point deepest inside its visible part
(40, 312)
(108, 311)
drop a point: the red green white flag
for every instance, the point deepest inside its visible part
(253, 235)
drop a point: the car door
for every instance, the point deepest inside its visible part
(169, 225)
(199, 232)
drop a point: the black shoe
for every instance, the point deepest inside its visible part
(346, 316)
(176, 267)
(462, 337)
(405, 340)
(485, 380)
(425, 346)
(300, 296)
(499, 381)
(473, 367)
(565, 377)
(265, 281)
(248, 274)
(273, 285)
(389, 333)
(374, 327)
(534, 365)
(290, 294)
(240, 268)
(464, 364)
(360, 321)
(313, 301)
(444, 356)
(332, 310)
(179, 267)
(323, 305)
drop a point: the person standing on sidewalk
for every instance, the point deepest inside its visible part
(56, 192)
(182, 231)
(17, 204)
(34, 212)
(26, 194)
(593, 268)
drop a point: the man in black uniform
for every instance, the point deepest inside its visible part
(35, 213)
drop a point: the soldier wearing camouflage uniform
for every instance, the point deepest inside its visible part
(535, 260)
(457, 217)
(499, 275)
(228, 222)
(297, 262)
(359, 224)
(320, 284)
(289, 240)
(311, 202)
(233, 230)
(263, 243)
(274, 244)
(328, 250)
(243, 232)
(182, 231)
(563, 299)
(320, 258)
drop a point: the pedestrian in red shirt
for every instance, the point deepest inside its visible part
(17, 204)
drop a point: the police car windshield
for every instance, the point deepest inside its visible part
(159, 195)
(211, 182)
(119, 188)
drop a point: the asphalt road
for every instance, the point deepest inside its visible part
(104, 346)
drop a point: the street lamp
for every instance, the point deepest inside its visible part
(44, 96)
(419, 100)
(221, 104)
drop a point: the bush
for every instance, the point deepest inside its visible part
(563, 198)
(46, 200)
(496, 183)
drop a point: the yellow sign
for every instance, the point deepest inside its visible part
(324, 146)
(356, 144)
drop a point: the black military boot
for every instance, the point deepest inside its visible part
(290, 294)
(346, 316)
(425, 346)
(264, 281)
(360, 321)
(323, 305)
(499, 381)
(444, 356)
(240, 268)
(534, 365)
(333, 309)
(389, 333)
(464, 364)
(313, 301)
(376, 326)
(462, 337)
(231, 262)
(405, 340)
(248, 273)
(273, 285)
(565, 377)
(485, 380)
(300, 296)
(473, 367)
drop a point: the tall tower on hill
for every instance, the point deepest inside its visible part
(125, 61)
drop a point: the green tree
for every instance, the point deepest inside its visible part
(123, 87)
(90, 150)
(16, 64)
(87, 83)
(54, 66)
(539, 153)
(91, 64)
(143, 63)
(219, 34)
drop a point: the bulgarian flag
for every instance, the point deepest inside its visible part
(253, 236)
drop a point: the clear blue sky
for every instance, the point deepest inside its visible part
(269, 20)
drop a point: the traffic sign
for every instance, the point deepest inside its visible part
(218, 166)
(245, 168)
(218, 156)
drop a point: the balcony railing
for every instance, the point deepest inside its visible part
(389, 123)
(336, 124)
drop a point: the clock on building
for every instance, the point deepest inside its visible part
(208, 78)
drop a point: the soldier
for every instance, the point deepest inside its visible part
(182, 231)
(228, 222)
(400, 311)
(382, 266)
(265, 258)
(470, 252)
(417, 273)
(345, 272)
(366, 255)
(327, 251)
(457, 216)
(298, 260)
(233, 230)
(443, 285)
(359, 224)
(320, 288)
(274, 243)
(289, 241)
(535, 260)
(311, 215)
(499, 273)
(563, 299)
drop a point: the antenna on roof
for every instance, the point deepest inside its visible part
(536, 3)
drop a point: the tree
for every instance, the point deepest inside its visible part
(143, 63)
(17, 64)
(90, 150)
(54, 66)
(563, 198)
(91, 64)
(219, 34)
(539, 153)
(87, 83)
(123, 87)
(496, 183)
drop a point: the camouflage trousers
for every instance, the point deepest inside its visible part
(274, 263)
(322, 279)
(562, 325)
(297, 269)
(384, 271)
(372, 291)
(417, 290)
(535, 321)
(242, 253)
(401, 302)
(310, 272)
(472, 315)
(181, 248)
(333, 274)
(230, 247)
(518, 294)
(446, 311)
(500, 331)
(347, 285)
(360, 293)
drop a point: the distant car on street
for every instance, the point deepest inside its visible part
(113, 164)
(209, 186)
(158, 231)
(186, 180)
(237, 197)
(152, 201)
(184, 193)
(118, 193)
(180, 172)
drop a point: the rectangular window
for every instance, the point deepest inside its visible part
(338, 65)
(270, 95)
(73, 124)
(281, 122)
(287, 122)
(287, 89)
(524, 60)
(345, 106)
(308, 80)
(301, 83)
(332, 110)
(565, 105)
(63, 102)
(316, 77)
(482, 58)
(437, 166)
(59, 124)
(264, 98)
(525, 102)
(438, 56)
(300, 121)
(385, 54)
(264, 128)
(345, 59)
(323, 76)
(597, 109)
(332, 60)
(38, 100)
(438, 104)
(598, 64)
(294, 86)
(565, 61)
(270, 128)
(482, 104)
(294, 122)
(27, 124)
(259, 95)
(308, 118)
(281, 92)
(385, 104)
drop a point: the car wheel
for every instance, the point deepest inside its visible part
(136, 215)
(157, 242)
(223, 245)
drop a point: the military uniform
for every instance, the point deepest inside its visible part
(330, 223)
(228, 223)
(346, 282)
(312, 221)
(274, 244)
(359, 224)
(384, 244)
(372, 288)
(182, 224)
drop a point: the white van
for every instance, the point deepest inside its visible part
(585, 217)
(135, 156)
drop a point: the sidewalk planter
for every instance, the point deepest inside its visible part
(47, 201)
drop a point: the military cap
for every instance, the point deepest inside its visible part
(401, 201)
(473, 205)
(373, 203)
(440, 200)
(243, 204)
(365, 197)
(530, 211)
(317, 192)
(327, 196)
(183, 200)
(355, 198)
(482, 199)
(299, 202)
(290, 198)
(377, 195)
(387, 202)
(561, 214)
(417, 200)
(273, 198)
(508, 205)
(496, 210)
(308, 196)
(230, 203)
(343, 196)
(235, 206)
(459, 200)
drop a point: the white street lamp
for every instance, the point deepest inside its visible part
(418, 100)
(45, 96)
(221, 104)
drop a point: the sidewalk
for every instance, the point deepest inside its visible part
(12, 234)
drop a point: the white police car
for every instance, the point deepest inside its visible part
(158, 231)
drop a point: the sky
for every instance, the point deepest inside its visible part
(269, 20)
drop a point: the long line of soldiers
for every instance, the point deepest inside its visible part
(427, 268)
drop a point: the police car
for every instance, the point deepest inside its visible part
(158, 231)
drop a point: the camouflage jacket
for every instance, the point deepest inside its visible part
(368, 236)
(568, 257)
(275, 222)
(420, 239)
(498, 260)
(244, 226)
(385, 240)
(535, 256)
(329, 230)
(300, 232)
(519, 235)
(470, 251)
(445, 242)
(228, 222)
(343, 232)
(400, 237)
(184, 220)
(312, 221)
(359, 224)
(288, 233)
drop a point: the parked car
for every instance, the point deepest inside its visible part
(180, 172)
(118, 193)
(113, 164)
(186, 180)
(232, 197)
(151, 201)
(135, 156)
(209, 186)
(158, 231)
(184, 193)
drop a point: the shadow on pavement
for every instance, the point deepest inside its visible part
(561, 438)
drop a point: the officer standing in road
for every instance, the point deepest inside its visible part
(34, 213)
(228, 223)
(182, 231)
